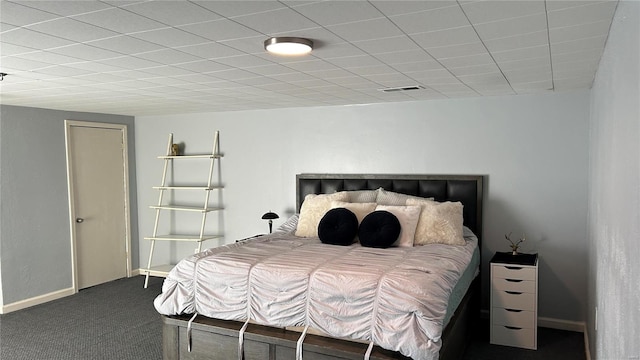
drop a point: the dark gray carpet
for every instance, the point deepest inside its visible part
(115, 320)
(552, 345)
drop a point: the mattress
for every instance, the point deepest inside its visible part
(396, 298)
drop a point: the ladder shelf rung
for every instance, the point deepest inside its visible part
(195, 156)
(188, 238)
(188, 187)
(186, 208)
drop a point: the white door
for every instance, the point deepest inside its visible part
(97, 168)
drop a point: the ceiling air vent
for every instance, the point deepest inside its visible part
(402, 88)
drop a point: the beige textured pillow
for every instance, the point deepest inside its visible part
(408, 217)
(360, 209)
(363, 196)
(313, 209)
(439, 223)
(386, 197)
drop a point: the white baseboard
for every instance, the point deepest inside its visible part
(135, 272)
(41, 299)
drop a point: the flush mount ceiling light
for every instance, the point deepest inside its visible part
(288, 45)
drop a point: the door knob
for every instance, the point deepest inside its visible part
(79, 220)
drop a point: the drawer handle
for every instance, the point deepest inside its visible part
(512, 327)
(513, 310)
(513, 292)
(513, 267)
(514, 280)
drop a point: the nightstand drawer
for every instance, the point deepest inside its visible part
(517, 318)
(526, 286)
(513, 300)
(513, 272)
(503, 335)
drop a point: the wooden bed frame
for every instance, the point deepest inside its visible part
(218, 339)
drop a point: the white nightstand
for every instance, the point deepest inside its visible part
(514, 300)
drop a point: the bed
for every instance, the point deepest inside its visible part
(208, 337)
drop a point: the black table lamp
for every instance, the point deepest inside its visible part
(270, 216)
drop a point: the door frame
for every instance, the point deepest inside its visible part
(68, 124)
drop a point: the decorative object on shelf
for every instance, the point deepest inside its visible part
(175, 149)
(515, 245)
(270, 216)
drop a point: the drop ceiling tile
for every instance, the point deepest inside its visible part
(129, 62)
(335, 50)
(518, 41)
(251, 45)
(590, 65)
(373, 70)
(475, 70)
(433, 20)
(596, 42)
(588, 13)
(49, 57)
(232, 9)
(488, 11)
(170, 37)
(339, 12)
(173, 12)
(417, 66)
(243, 61)
(85, 52)
(33, 39)
(366, 30)
(462, 61)
(402, 57)
(60, 70)
(536, 62)
(330, 73)
(387, 45)
(220, 30)
(166, 71)
(119, 20)
(512, 26)
(67, 7)
(210, 50)
(11, 50)
(18, 15)
(311, 65)
(572, 83)
(401, 7)
(569, 33)
(20, 63)
(521, 54)
(530, 75)
(455, 36)
(453, 51)
(125, 45)
(496, 78)
(588, 54)
(203, 66)
(73, 30)
(276, 21)
(392, 80)
(354, 61)
(271, 70)
(232, 74)
(167, 56)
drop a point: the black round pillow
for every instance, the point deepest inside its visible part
(379, 229)
(338, 226)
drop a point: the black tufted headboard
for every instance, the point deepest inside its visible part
(464, 188)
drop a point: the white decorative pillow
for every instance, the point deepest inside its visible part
(386, 197)
(313, 209)
(363, 196)
(408, 217)
(440, 223)
(360, 209)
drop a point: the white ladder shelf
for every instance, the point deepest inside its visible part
(163, 270)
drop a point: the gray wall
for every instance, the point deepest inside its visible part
(533, 150)
(614, 193)
(35, 246)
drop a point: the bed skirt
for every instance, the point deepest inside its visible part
(214, 339)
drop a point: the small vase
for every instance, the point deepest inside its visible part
(514, 252)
